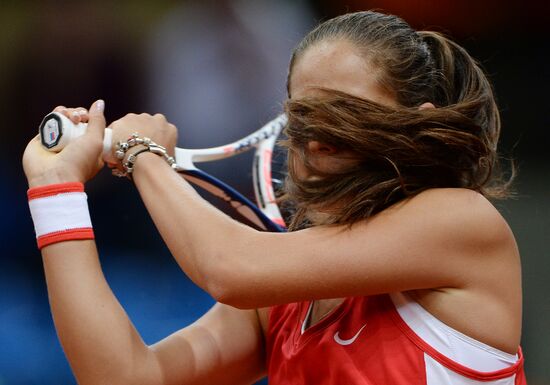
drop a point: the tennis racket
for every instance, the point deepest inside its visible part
(56, 131)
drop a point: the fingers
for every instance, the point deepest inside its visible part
(96, 119)
(81, 114)
(76, 115)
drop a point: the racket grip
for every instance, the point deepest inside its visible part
(56, 131)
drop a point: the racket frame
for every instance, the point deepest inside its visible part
(263, 141)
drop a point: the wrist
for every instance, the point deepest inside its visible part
(128, 152)
(52, 176)
(147, 160)
(60, 213)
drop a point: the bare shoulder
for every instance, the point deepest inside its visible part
(462, 213)
(485, 266)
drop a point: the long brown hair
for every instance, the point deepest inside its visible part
(400, 151)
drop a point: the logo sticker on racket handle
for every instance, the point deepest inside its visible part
(57, 131)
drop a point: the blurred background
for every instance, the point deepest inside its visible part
(217, 70)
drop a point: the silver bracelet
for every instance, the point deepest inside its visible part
(150, 146)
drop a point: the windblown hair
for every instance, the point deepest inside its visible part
(400, 151)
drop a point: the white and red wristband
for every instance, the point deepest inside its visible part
(60, 213)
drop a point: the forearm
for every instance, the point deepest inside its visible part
(99, 340)
(203, 240)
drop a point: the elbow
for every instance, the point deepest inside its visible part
(229, 291)
(232, 285)
(236, 300)
(232, 274)
(224, 295)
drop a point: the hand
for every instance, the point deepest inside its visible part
(79, 161)
(156, 127)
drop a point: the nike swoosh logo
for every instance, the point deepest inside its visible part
(351, 340)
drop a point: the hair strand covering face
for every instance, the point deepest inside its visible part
(400, 151)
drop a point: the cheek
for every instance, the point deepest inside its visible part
(298, 167)
(330, 164)
(321, 164)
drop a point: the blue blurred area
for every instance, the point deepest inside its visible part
(217, 69)
(156, 295)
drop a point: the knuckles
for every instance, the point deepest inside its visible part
(154, 126)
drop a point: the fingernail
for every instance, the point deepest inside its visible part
(75, 114)
(100, 105)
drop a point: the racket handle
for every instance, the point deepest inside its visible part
(56, 131)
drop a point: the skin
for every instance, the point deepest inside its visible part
(456, 256)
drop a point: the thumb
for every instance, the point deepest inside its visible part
(96, 122)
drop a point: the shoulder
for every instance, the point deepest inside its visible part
(458, 215)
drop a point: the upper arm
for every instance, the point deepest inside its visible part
(429, 241)
(224, 346)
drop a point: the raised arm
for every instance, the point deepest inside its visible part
(430, 241)
(99, 340)
(103, 347)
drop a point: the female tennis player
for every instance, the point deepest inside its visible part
(397, 270)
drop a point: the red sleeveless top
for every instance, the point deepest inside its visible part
(364, 341)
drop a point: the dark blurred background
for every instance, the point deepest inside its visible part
(217, 70)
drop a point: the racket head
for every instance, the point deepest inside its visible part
(265, 214)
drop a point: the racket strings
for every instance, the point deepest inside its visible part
(279, 174)
(279, 168)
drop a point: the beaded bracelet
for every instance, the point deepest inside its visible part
(150, 146)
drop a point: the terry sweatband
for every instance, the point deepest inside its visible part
(60, 213)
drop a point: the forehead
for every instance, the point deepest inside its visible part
(337, 65)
